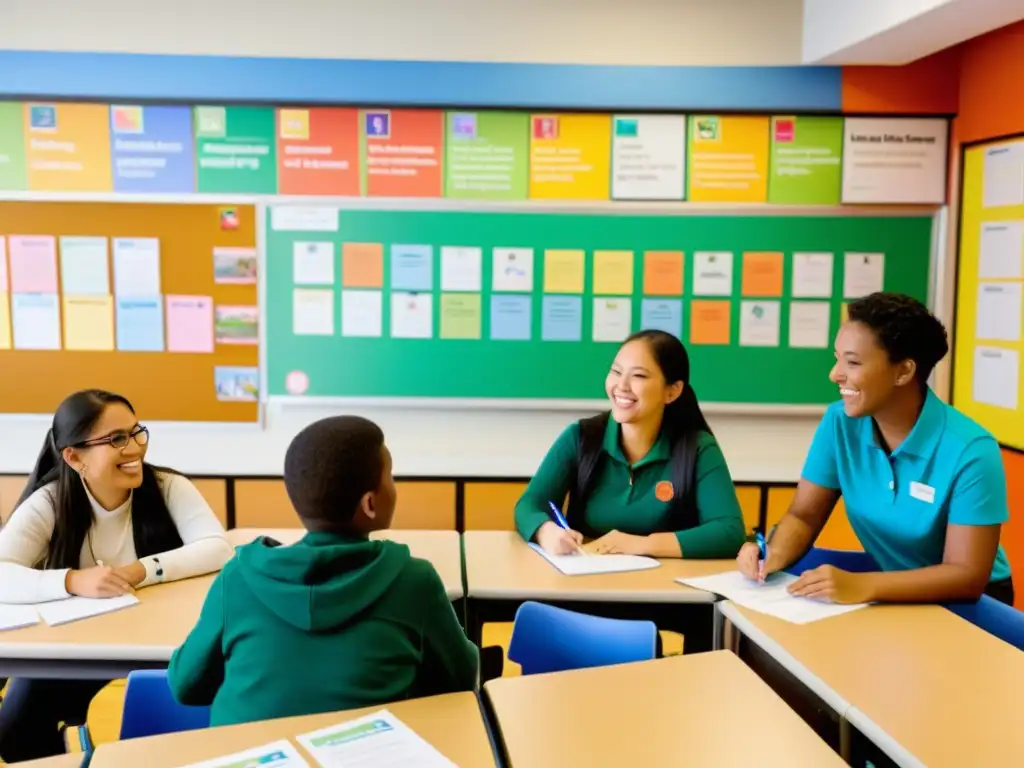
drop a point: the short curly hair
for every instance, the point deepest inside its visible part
(905, 329)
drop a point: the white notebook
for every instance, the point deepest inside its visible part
(76, 608)
(17, 616)
(379, 740)
(583, 565)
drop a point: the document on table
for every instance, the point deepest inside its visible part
(770, 598)
(76, 608)
(17, 616)
(380, 740)
(584, 565)
(279, 754)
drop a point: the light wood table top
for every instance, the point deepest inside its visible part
(919, 681)
(500, 565)
(453, 724)
(442, 549)
(60, 761)
(706, 709)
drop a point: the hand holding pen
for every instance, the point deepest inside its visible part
(556, 537)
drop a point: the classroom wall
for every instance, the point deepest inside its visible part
(665, 32)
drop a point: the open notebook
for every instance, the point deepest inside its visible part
(582, 565)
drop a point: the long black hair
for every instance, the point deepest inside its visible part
(154, 529)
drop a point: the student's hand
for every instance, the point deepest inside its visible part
(98, 581)
(832, 585)
(619, 543)
(750, 564)
(557, 541)
(134, 574)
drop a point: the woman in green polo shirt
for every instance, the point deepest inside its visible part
(645, 478)
(923, 485)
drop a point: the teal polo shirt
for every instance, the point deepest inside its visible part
(949, 470)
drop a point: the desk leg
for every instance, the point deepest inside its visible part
(845, 740)
(730, 636)
(717, 630)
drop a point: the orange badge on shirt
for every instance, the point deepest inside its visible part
(664, 491)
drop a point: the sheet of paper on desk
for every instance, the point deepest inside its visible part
(17, 616)
(584, 565)
(76, 608)
(770, 598)
(379, 740)
(280, 754)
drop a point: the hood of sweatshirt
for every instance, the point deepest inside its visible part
(323, 581)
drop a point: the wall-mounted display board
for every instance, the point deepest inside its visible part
(892, 160)
(515, 305)
(154, 301)
(990, 283)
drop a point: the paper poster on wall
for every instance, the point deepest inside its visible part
(461, 268)
(663, 273)
(318, 151)
(649, 157)
(561, 318)
(5, 320)
(35, 318)
(894, 160)
(33, 261)
(136, 266)
(613, 273)
(712, 273)
(312, 312)
(362, 313)
(662, 315)
(487, 155)
(759, 323)
(812, 275)
(570, 157)
(412, 315)
(460, 316)
(13, 172)
(513, 269)
(1001, 250)
(84, 267)
(996, 377)
(236, 325)
(140, 324)
(863, 274)
(762, 273)
(613, 318)
(999, 312)
(235, 266)
(362, 265)
(809, 324)
(313, 263)
(511, 317)
(403, 152)
(235, 149)
(710, 321)
(88, 323)
(1003, 178)
(728, 159)
(189, 324)
(68, 147)
(806, 160)
(152, 148)
(237, 383)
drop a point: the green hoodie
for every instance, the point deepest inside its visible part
(332, 622)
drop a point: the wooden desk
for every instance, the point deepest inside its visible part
(917, 682)
(441, 548)
(703, 710)
(502, 572)
(453, 724)
(60, 761)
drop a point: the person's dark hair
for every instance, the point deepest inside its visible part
(154, 529)
(329, 466)
(905, 329)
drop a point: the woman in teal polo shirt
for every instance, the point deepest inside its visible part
(923, 485)
(646, 478)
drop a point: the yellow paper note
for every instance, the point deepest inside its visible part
(5, 320)
(570, 157)
(89, 323)
(613, 273)
(563, 271)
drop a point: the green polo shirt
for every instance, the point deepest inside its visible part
(623, 496)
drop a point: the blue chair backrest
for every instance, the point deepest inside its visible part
(150, 708)
(854, 562)
(996, 618)
(549, 639)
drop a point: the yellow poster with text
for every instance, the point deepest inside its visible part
(68, 147)
(728, 159)
(570, 157)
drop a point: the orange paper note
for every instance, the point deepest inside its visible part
(362, 265)
(762, 274)
(709, 321)
(663, 273)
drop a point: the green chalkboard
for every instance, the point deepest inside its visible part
(385, 246)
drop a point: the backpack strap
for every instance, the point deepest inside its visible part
(588, 457)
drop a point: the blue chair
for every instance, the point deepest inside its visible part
(996, 618)
(844, 560)
(150, 709)
(549, 639)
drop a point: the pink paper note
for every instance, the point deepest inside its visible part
(189, 324)
(33, 264)
(3, 265)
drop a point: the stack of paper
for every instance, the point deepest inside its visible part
(17, 616)
(771, 598)
(380, 740)
(582, 565)
(280, 754)
(76, 608)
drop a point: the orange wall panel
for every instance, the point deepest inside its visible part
(991, 73)
(1013, 530)
(837, 533)
(923, 87)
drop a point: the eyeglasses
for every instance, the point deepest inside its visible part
(120, 440)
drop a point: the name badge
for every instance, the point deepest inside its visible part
(922, 492)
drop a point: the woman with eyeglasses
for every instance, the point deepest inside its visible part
(94, 520)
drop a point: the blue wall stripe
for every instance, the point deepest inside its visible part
(196, 79)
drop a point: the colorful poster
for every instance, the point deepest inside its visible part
(511, 317)
(235, 150)
(35, 318)
(728, 159)
(189, 324)
(362, 313)
(563, 271)
(362, 265)
(152, 149)
(33, 263)
(663, 273)
(13, 174)
(649, 157)
(84, 267)
(762, 273)
(487, 155)
(894, 160)
(613, 273)
(570, 157)
(318, 151)
(140, 324)
(136, 266)
(402, 152)
(806, 160)
(68, 147)
(460, 316)
(236, 325)
(89, 323)
(710, 321)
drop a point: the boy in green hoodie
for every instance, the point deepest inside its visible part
(335, 621)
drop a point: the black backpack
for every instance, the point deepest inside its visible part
(589, 455)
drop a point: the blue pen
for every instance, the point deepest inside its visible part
(562, 523)
(762, 545)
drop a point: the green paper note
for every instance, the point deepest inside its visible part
(12, 147)
(806, 160)
(460, 316)
(236, 149)
(487, 155)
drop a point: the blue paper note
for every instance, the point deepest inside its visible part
(563, 318)
(152, 149)
(412, 268)
(662, 315)
(140, 324)
(511, 318)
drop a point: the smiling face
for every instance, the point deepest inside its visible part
(867, 378)
(636, 385)
(104, 468)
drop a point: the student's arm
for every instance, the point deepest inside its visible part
(23, 544)
(551, 483)
(205, 545)
(450, 661)
(196, 671)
